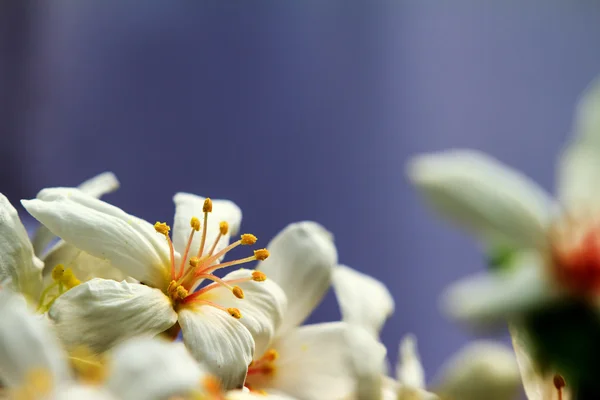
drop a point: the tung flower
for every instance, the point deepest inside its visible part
(221, 322)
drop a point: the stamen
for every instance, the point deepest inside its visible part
(264, 365)
(259, 255)
(234, 312)
(206, 208)
(236, 290)
(195, 225)
(246, 239)
(559, 384)
(64, 279)
(163, 228)
(258, 276)
(223, 229)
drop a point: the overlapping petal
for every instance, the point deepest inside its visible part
(97, 186)
(17, 261)
(314, 363)
(152, 369)
(301, 263)
(498, 204)
(219, 341)
(262, 307)
(104, 231)
(189, 205)
(367, 356)
(101, 313)
(364, 301)
(27, 343)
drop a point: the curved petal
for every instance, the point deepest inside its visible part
(578, 182)
(364, 301)
(84, 265)
(409, 370)
(301, 263)
(104, 231)
(314, 363)
(152, 369)
(481, 370)
(27, 343)
(17, 261)
(488, 299)
(97, 186)
(189, 205)
(262, 307)
(101, 313)
(219, 341)
(495, 202)
(368, 362)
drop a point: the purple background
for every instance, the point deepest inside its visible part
(296, 110)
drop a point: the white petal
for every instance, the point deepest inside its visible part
(80, 392)
(301, 263)
(188, 206)
(488, 299)
(26, 343)
(262, 307)
(409, 370)
(495, 202)
(152, 369)
(245, 395)
(364, 301)
(219, 341)
(17, 261)
(481, 370)
(84, 265)
(578, 183)
(314, 363)
(106, 232)
(97, 186)
(368, 362)
(101, 313)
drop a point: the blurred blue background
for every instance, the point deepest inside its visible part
(296, 110)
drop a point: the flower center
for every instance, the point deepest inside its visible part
(185, 279)
(576, 256)
(63, 280)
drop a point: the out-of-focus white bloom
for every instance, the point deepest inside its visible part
(34, 366)
(307, 362)
(22, 268)
(221, 322)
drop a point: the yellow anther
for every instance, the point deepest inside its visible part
(268, 369)
(58, 272)
(258, 276)
(194, 261)
(223, 227)
(238, 292)
(271, 355)
(162, 227)
(195, 223)
(181, 292)
(207, 207)
(234, 312)
(172, 287)
(68, 279)
(248, 239)
(261, 254)
(212, 386)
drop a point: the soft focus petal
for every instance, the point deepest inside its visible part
(97, 186)
(104, 231)
(17, 261)
(245, 395)
(26, 343)
(488, 299)
(81, 392)
(301, 263)
(481, 370)
(578, 172)
(314, 363)
(101, 313)
(152, 369)
(364, 301)
(368, 362)
(411, 393)
(188, 206)
(84, 265)
(409, 370)
(498, 204)
(219, 341)
(262, 307)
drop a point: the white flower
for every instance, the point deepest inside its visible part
(34, 366)
(311, 361)
(551, 248)
(20, 267)
(220, 322)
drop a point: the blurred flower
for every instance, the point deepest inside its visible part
(220, 322)
(311, 361)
